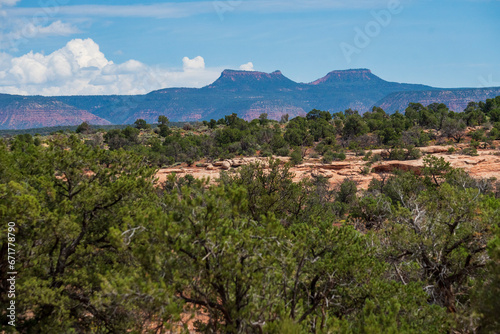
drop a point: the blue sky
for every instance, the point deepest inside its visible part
(130, 46)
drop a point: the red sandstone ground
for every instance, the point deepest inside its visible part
(485, 165)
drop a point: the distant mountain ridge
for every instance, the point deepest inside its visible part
(247, 93)
(456, 99)
(347, 76)
(251, 80)
(24, 112)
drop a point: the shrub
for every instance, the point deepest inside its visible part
(365, 170)
(314, 155)
(164, 130)
(277, 141)
(494, 133)
(454, 129)
(478, 135)
(346, 194)
(415, 136)
(266, 153)
(330, 156)
(368, 155)
(375, 158)
(340, 156)
(321, 148)
(373, 209)
(141, 124)
(413, 153)
(284, 119)
(472, 151)
(283, 152)
(296, 156)
(250, 152)
(397, 154)
(84, 128)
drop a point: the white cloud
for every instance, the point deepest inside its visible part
(129, 67)
(247, 67)
(30, 30)
(8, 2)
(160, 10)
(42, 22)
(195, 64)
(196, 7)
(14, 31)
(86, 53)
(3, 13)
(56, 28)
(80, 68)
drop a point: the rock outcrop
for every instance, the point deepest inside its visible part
(390, 166)
(485, 165)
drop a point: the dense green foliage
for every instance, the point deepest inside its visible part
(62, 129)
(319, 133)
(103, 247)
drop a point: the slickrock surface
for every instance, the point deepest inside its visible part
(485, 165)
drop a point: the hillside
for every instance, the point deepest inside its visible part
(455, 99)
(246, 93)
(356, 89)
(20, 112)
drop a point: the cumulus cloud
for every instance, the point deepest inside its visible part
(195, 64)
(80, 68)
(247, 67)
(86, 53)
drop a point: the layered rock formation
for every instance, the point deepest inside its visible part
(485, 165)
(24, 113)
(246, 93)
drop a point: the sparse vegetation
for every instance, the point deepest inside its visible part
(106, 248)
